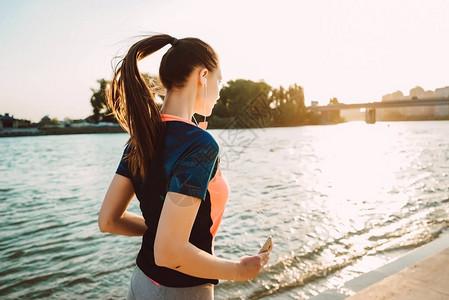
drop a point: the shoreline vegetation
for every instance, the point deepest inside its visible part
(242, 104)
(60, 131)
(117, 129)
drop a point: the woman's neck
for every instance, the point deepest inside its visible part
(179, 103)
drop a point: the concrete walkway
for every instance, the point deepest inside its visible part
(427, 279)
(420, 274)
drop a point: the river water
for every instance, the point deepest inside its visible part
(338, 201)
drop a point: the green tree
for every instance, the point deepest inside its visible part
(332, 116)
(290, 102)
(100, 108)
(236, 102)
(155, 85)
(256, 104)
(333, 101)
(101, 111)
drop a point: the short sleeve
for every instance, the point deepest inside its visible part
(122, 168)
(193, 171)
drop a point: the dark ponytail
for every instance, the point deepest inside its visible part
(132, 101)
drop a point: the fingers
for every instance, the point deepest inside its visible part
(250, 266)
(264, 257)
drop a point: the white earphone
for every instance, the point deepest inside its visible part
(204, 80)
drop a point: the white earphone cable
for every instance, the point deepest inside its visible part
(205, 99)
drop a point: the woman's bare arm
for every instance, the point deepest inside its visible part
(113, 217)
(173, 250)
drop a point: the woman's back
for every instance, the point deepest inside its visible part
(187, 161)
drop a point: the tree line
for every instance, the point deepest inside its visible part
(242, 104)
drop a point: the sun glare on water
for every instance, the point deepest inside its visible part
(359, 167)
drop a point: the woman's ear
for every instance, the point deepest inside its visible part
(202, 76)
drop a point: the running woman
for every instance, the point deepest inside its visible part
(172, 165)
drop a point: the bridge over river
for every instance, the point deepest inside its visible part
(370, 107)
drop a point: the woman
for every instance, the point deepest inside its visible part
(172, 166)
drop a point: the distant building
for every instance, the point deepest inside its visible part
(383, 114)
(8, 121)
(442, 92)
(79, 123)
(416, 92)
(421, 111)
(414, 112)
(314, 103)
(45, 120)
(442, 110)
(428, 94)
(398, 95)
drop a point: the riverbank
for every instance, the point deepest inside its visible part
(117, 129)
(60, 131)
(419, 274)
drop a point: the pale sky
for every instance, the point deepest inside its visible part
(356, 50)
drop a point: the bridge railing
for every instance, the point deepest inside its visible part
(384, 104)
(370, 113)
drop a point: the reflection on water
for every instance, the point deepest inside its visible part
(338, 201)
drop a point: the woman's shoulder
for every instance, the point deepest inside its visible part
(180, 132)
(204, 137)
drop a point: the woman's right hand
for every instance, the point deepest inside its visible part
(250, 266)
